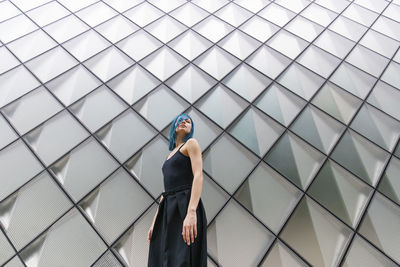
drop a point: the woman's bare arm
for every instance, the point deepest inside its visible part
(194, 152)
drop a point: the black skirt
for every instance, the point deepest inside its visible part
(167, 247)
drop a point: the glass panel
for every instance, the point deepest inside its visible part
(380, 43)
(213, 197)
(6, 250)
(334, 43)
(139, 45)
(96, 14)
(253, 6)
(189, 14)
(190, 44)
(377, 6)
(164, 99)
(280, 104)
(259, 28)
(16, 27)
(12, 175)
(391, 74)
(16, 83)
(165, 28)
(132, 248)
(217, 62)
(66, 28)
(122, 6)
(108, 259)
(318, 61)
(225, 151)
(268, 196)
(45, 139)
(319, 129)
(48, 13)
(386, 98)
(133, 84)
(103, 208)
(73, 84)
(287, 43)
(295, 6)
(31, 45)
(51, 64)
(304, 28)
(221, 105)
(76, 5)
(353, 80)
(276, 14)
(141, 166)
(340, 192)
(143, 14)
(392, 11)
(316, 235)
(30, 210)
(257, 131)
(213, 28)
(319, 14)
(126, 134)
(295, 159)
(97, 108)
(390, 184)
(268, 61)
(231, 246)
(239, 44)
(27, 5)
(335, 5)
(108, 63)
(378, 127)
(280, 255)
(8, 61)
(8, 10)
(210, 6)
(361, 157)
(31, 110)
(233, 14)
(54, 246)
(246, 82)
(348, 28)
(191, 82)
(15, 262)
(301, 81)
(117, 28)
(79, 46)
(164, 63)
(381, 226)
(83, 168)
(167, 5)
(337, 102)
(7, 135)
(361, 253)
(367, 60)
(360, 14)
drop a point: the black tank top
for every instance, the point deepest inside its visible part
(177, 171)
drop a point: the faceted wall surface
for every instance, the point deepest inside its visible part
(295, 105)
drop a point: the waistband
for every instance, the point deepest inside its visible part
(176, 189)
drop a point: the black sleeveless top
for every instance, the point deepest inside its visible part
(177, 171)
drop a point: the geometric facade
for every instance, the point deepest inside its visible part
(296, 106)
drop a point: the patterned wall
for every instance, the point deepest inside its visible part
(296, 107)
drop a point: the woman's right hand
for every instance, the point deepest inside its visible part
(150, 233)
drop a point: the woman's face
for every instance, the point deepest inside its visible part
(185, 125)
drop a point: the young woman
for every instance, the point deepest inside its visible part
(178, 234)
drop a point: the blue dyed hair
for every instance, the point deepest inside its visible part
(172, 130)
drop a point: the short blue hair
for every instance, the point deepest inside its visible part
(172, 130)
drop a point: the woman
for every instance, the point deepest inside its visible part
(178, 234)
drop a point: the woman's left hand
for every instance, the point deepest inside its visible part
(189, 230)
